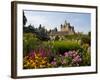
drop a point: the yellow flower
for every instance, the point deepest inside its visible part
(42, 66)
(45, 58)
(43, 62)
(49, 65)
(37, 62)
(31, 61)
(25, 65)
(38, 55)
(33, 64)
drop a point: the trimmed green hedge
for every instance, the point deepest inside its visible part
(63, 46)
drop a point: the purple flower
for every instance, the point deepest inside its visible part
(74, 54)
(63, 62)
(53, 62)
(77, 59)
(74, 51)
(70, 53)
(42, 52)
(66, 54)
(32, 54)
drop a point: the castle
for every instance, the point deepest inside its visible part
(65, 29)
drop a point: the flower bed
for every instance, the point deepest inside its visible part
(41, 58)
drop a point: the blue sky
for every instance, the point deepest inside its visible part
(80, 21)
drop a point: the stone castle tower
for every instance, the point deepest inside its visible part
(66, 27)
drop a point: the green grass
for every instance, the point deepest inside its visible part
(66, 44)
(63, 46)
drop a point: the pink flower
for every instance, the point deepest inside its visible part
(74, 55)
(77, 59)
(42, 52)
(53, 62)
(63, 62)
(66, 54)
(32, 54)
(70, 53)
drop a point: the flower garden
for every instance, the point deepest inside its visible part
(52, 54)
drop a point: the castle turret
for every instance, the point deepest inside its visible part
(65, 22)
(66, 27)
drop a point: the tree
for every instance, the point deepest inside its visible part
(86, 39)
(57, 38)
(89, 34)
(24, 19)
(40, 27)
(55, 29)
(42, 33)
(49, 31)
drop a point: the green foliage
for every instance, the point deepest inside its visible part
(89, 34)
(86, 56)
(61, 59)
(63, 46)
(40, 32)
(57, 38)
(86, 39)
(86, 59)
(30, 42)
(74, 36)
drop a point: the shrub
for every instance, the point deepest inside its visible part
(30, 42)
(86, 39)
(57, 38)
(63, 46)
(74, 36)
(86, 55)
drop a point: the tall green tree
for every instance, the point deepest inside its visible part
(24, 19)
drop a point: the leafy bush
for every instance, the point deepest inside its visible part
(74, 36)
(86, 39)
(86, 55)
(30, 42)
(63, 46)
(86, 59)
(57, 38)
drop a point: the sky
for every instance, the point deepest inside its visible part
(51, 19)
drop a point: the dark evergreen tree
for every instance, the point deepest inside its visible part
(89, 34)
(55, 29)
(40, 27)
(24, 19)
